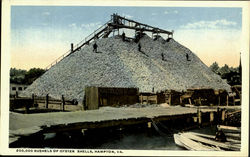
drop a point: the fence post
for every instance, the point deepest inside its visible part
(16, 94)
(170, 99)
(219, 99)
(227, 100)
(211, 117)
(33, 99)
(199, 115)
(223, 115)
(47, 101)
(63, 103)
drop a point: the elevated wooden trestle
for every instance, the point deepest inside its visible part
(114, 24)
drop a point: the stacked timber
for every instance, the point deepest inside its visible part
(200, 142)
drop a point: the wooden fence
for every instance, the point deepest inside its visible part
(33, 101)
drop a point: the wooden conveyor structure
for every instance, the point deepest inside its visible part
(114, 24)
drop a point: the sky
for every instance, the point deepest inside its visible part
(40, 34)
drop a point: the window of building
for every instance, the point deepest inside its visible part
(13, 88)
(20, 88)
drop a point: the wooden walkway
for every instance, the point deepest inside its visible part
(27, 124)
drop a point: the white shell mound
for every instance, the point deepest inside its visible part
(119, 64)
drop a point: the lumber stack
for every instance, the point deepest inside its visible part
(198, 141)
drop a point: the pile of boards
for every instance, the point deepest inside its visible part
(203, 142)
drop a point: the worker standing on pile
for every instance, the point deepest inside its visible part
(123, 36)
(187, 56)
(139, 47)
(162, 56)
(95, 48)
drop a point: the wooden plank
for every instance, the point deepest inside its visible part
(213, 137)
(233, 135)
(190, 144)
(210, 142)
(47, 101)
(63, 103)
(202, 135)
(233, 140)
(229, 128)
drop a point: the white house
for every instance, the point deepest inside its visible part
(17, 88)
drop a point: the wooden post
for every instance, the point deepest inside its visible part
(63, 103)
(211, 117)
(190, 102)
(16, 94)
(141, 99)
(223, 115)
(156, 98)
(219, 100)
(33, 99)
(199, 115)
(240, 98)
(227, 100)
(169, 99)
(234, 100)
(27, 109)
(149, 124)
(47, 101)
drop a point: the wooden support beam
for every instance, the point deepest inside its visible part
(149, 124)
(16, 94)
(33, 98)
(169, 99)
(234, 100)
(63, 103)
(211, 117)
(219, 100)
(116, 26)
(227, 100)
(190, 102)
(199, 115)
(223, 115)
(47, 101)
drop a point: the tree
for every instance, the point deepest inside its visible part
(224, 71)
(214, 67)
(231, 74)
(17, 75)
(33, 74)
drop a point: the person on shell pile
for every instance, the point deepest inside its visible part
(95, 48)
(123, 36)
(139, 47)
(162, 56)
(187, 56)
